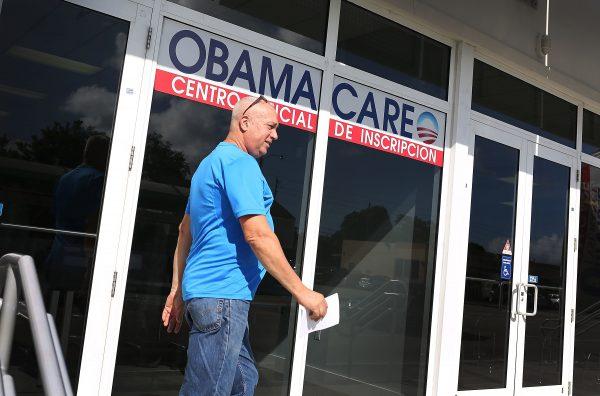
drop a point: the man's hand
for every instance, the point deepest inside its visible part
(173, 312)
(314, 303)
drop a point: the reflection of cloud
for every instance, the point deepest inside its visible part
(547, 249)
(116, 60)
(184, 125)
(94, 105)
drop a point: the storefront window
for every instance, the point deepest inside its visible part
(377, 45)
(60, 69)
(376, 247)
(586, 367)
(591, 133)
(502, 96)
(544, 332)
(190, 116)
(487, 311)
(302, 23)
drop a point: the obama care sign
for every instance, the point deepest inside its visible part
(210, 69)
(384, 122)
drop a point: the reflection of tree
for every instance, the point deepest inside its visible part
(59, 144)
(163, 164)
(369, 224)
(421, 228)
(62, 144)
(6, 151)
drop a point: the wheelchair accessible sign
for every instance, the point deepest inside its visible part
(506, 262)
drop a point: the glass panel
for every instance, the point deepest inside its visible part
(379, 46)
(542, 363)
(486, 317)
(180, 135)
(302, 23)
(377, 250)
(586, 370)
(60, 69)
(516, 102)
(591, 133)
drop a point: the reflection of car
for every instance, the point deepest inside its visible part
(554, 297)
(364, 282)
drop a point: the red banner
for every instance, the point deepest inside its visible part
(225, 98)
(386, 142)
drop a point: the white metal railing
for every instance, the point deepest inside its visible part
(21, 279)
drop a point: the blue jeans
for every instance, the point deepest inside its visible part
(219, 358)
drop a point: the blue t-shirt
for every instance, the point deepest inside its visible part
(227, 185)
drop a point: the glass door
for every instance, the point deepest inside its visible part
(544, 346)
(67, 78)
(488, 350)
(190, 114)
(514, 338)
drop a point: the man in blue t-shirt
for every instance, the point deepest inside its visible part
(226, 243)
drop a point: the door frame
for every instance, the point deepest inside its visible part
(503, 137)
(531, 145)
(117, 174)
(535, 149)
(329, 67)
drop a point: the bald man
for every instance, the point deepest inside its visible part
(226, 242)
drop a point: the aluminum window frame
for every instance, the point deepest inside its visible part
(452, 327)
(527, 78)
(109, 233)
(587, 158)
(539, 79)
(456, 173)
(454, 156)
(329, 67)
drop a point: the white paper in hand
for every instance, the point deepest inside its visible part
(307, 325)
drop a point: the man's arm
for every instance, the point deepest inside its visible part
(267, 248)
(173, 311)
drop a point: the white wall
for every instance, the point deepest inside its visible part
(575, 32)
(509, 29)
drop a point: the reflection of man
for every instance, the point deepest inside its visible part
(226, 234)
(77, 197)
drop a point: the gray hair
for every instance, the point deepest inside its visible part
(240, 107)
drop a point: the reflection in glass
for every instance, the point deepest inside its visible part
(377, 250)
(60, 68)
(302, 23)
(591, 133)
(377, 45)
(542, 362)
(502, 96)
(586, 368)
(180, 135)
(486, 317)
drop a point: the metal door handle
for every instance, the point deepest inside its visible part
(522, 299)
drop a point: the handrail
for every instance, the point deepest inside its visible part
(21, 278)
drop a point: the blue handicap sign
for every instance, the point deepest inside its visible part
(506, 272)
(533, 279)
(1, 208)
(506, 268)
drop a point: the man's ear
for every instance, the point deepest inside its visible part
(243, 123)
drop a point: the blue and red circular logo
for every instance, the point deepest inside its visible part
(427, 128)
